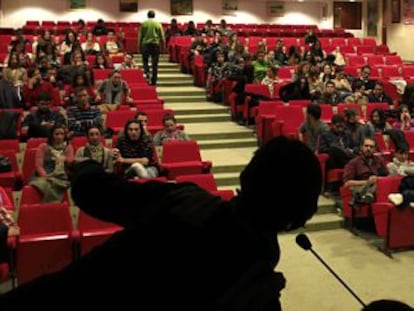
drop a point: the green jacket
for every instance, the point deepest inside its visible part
(151, 32)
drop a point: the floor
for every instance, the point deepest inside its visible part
(370, 273)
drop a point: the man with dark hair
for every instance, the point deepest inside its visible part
(83, 115)
(337, 143)
(313, 127)
(151, 40)
(183, 247)
(362, 172)
(39, 122)
(378, 95)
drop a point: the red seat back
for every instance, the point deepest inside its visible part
(180, 151)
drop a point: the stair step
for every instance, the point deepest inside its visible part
(177, 83)
(195, 110)
(184, 98)
(234, 157)
(227, 143)
(227, 168)
(226, 179)
(321, 222)
(180, 90)
(221, 136)
(174, 76)
(203, 118)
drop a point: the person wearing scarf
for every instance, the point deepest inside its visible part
(113, 92)
(50, 177)
(94, 150)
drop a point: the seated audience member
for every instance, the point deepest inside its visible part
(172, 30)
(191, 30)
(111, 46)
(113, 92)
(90, 46)
(378, 96)
(365, 80)
(101, 62)
(342, 85)
(311, 38)
(316, 86)
(260, 66)
(339, 57)
(235, 242)
(100, 28)
(337, 143)
(401, 166)
(50, 177)
(355, 127)
(405, 123)
(15, 73)
(215, 78)
(39, 122)
(358, 96)
(95, 150)
(128, 62)
(330, 95)
(170, 131)
(313, 127)
(80, 79)
(362, 172)
(271, 78)
(83, 115)
(377, 123)
(35, 86)
(327, 73)
(142, 119)
(295, 90)
(136, 152)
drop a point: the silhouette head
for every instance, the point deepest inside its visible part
(387, 305)
(280, 186)
(151, 14)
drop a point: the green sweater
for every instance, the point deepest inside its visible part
(151, 32)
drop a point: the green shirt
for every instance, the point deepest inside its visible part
(151, 32)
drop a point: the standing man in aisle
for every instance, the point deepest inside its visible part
(151, 40)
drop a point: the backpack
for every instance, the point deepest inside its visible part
(8, 124)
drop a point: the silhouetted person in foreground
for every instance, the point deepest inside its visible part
(183, 248)
(387, 305)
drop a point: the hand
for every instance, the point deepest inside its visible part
(372, 179)
(119, 160)
(13, 231)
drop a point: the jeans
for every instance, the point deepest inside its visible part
(152, 50)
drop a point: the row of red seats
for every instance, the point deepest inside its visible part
(48, 241)
(394, 225)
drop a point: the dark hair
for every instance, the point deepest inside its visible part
(351, 112)
(358, 84)
(387, 305)
(337, 118)
(287, 204)
(151, 14)
(44, 96)
(93, 127)
(169, 117)
(140, 113)
(381, 117)
(129, 122)
(314, 110)
(55, 127)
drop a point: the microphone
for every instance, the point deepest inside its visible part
(303, 241)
